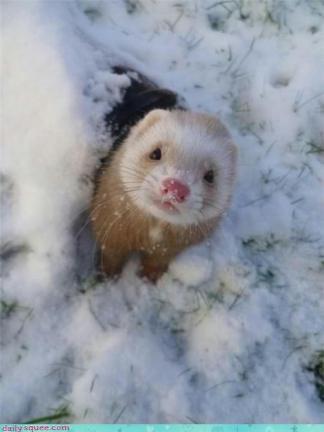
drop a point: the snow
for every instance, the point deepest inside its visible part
(226, 335)
(193, 267)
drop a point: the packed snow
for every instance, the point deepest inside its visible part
(231, 331)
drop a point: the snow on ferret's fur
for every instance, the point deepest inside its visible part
(163, 190)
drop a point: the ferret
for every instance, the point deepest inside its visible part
(164, 188)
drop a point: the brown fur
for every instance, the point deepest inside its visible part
(121, 228)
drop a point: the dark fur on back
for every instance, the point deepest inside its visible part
(141, 97)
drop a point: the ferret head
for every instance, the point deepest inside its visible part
(179, 166)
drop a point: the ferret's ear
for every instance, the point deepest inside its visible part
(150, 119)
(216, 128)
(213, 125)
(154, 116)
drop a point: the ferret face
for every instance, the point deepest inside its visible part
(179, 166)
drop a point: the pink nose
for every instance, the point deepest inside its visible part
(177, 190)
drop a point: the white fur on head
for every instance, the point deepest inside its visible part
(191, 144)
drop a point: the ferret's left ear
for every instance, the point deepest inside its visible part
(150, 119)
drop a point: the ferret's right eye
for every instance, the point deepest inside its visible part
(209, 177)
(156, 154)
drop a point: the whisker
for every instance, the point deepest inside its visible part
(132, 169)
(89, 219)
(108, 230)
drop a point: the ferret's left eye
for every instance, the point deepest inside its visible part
(209, 177)
(156, 154)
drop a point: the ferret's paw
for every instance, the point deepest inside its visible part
(111, 269)
(152, 268)
(152, 274)
(106, 274)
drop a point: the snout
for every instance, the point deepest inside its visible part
(174, 189)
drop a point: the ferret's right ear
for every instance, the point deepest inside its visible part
(150, 119)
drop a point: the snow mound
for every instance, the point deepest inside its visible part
(192, 267)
